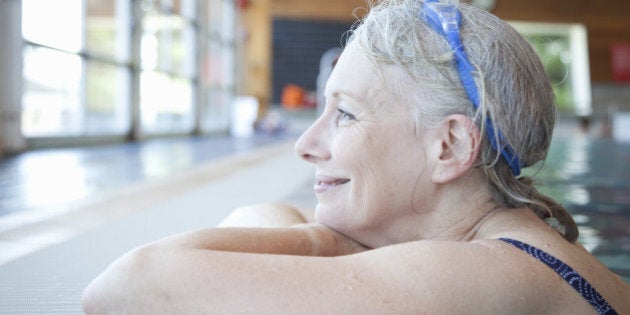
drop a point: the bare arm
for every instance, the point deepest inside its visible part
(267, 215)
(147, 276)
(302, 240)
(408, 278)
(210, 272)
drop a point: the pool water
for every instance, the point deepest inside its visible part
(590, 176)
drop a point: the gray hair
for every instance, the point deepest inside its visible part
(516, 95)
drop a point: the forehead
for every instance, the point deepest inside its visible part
(353, 74)
(357, 76)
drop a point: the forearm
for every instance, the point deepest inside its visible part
(302, 240)
(293, 235)
(298, 240)
(167, 270)
(161, 275)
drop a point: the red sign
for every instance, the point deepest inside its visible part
(620, 60)
(242, 4)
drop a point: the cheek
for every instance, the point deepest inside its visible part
(374, 170)
(359, 144)
(395, 175)
(361, 157)
(383, 161)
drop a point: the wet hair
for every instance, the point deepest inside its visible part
(515, 93)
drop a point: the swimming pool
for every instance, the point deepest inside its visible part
(590, 176)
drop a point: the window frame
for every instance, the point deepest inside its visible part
(201, 102)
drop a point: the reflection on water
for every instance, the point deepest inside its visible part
(44, 183)
(52, 185)
(591, 177)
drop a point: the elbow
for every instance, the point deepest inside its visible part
(92, 301)
(101, 296)
(97, 298)
(122, 286)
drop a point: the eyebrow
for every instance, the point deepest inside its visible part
(338, 93)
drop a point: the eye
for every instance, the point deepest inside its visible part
(344, 115)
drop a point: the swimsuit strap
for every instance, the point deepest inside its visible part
(568, 274)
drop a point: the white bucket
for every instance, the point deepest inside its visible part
(243, 116)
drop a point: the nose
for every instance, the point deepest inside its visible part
(312, 146)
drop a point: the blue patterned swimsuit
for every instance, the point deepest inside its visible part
(569, 275)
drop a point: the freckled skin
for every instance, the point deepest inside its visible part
(377, 150)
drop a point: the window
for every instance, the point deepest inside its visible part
(563, 50)
(167, 54)
(218, 65)
(103, 68)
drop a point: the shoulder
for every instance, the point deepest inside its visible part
(460, 275)
(464, 277)
(448, 277)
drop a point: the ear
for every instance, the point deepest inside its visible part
(459, 145)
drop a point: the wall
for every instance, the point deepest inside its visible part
(254, 30)
(327, 10)
(298, 47)
(606, 20)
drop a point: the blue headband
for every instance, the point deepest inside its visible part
(445, 19)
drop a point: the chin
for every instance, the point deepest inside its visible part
(320, 214)
(337, 221)
(330, 217)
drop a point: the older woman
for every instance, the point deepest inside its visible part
(432, 111)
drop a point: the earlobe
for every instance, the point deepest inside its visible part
(459, 146)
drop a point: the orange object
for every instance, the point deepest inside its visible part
(292, 96)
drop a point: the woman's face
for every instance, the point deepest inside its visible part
(369, 160)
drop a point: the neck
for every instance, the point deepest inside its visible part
(444, 217)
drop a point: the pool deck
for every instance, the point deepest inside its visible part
(67, 251)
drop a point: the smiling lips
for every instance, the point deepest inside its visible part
(324, 183)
